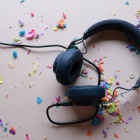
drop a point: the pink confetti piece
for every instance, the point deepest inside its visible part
(49, 66)
(58, 99)
(27, 137)
(64, 15)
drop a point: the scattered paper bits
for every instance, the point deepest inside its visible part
(89, 133)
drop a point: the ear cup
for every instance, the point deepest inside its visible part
(86, 95)
(69, 66)
(57, 60)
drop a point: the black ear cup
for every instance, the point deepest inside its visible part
(57, 61)
(86, 95)
(67, 66)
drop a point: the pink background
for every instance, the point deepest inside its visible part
(20, 109)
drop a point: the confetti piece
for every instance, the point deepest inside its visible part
(22, 33)
(126, 102)
(116, 135)
(27, 137)
(64, 15)
(127, 3)
(126, 130)
(89, 133)
(49, 66)
(118, 70)
(12, 131)
(39, 100)
(11, 65)
(126, 79)
(30, 35)
(114, 13)
(61, 24)
(117, 83)
(139, 109)
(55, 28)
(104, 133)
(35, 67)
(21, 23)
(46, 27)
(131, 75)
(58, 99)
(31, 84)
(21, 1)
(1, 81)
(111, 108)
(15, 55)
(32, 14)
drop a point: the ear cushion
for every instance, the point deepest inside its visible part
(86, 95)
(69, 66)
(57, 60)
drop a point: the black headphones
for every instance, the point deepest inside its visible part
(68, 64)
(67, 67)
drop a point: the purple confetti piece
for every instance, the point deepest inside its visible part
(126, 102)
(104, 133)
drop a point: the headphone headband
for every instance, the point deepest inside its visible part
(114, 24)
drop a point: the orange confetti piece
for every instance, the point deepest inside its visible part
(115, 93)
(118, 70)
(122, 120)
(89, 133)
(115, 135)
(139, 109)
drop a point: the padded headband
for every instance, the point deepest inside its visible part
(114, 24)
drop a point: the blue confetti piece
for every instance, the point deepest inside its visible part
(21, 1)
(127, 3)
(39, 100)
(22, 33)
(15, 54)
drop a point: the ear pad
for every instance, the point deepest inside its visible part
(86, 95)
(56, 62)
(67, 66)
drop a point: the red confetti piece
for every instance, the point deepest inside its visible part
(89, 133)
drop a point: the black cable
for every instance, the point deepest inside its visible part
(85, 48)
(31, 46)
(99, 74)
(120, 88)
(66, 123)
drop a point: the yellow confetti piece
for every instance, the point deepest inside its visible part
(111, 108)
(126, 79)
(11, 65)
(35, 67)
(114, 13)
(1, 81)
(126, 130)
(55, 29)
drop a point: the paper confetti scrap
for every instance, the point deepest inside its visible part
(11, 65)
(127, 121)
(31, 84)
(126, 130)
(21, 23)
(127, 3)
(1, 81)
(104, 133)
(36, 64)
(111, 108)
(89, 133)
(12, 131)
(64, 15)
(27, 137)
(15, 55)
(116, 135)
(49, 66)
(58, 99)
(39, 100)
(139, 109)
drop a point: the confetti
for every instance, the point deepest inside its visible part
(31, 84)
(116, 135)
(12, 131)
(22, 33)
(61, 24)
(21, 1)
(49, 66)
(64, 15)
(27, 137)
(58, 99)
(15, 55)
(89, 133)
(139, 109)
(32, 14)
(30, 35)
(126, 130)
(39, 100)
(104, 133)
(11, 65)
(127, 3)
(21, 23)
(1, 81)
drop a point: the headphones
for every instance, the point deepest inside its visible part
(68, 64)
